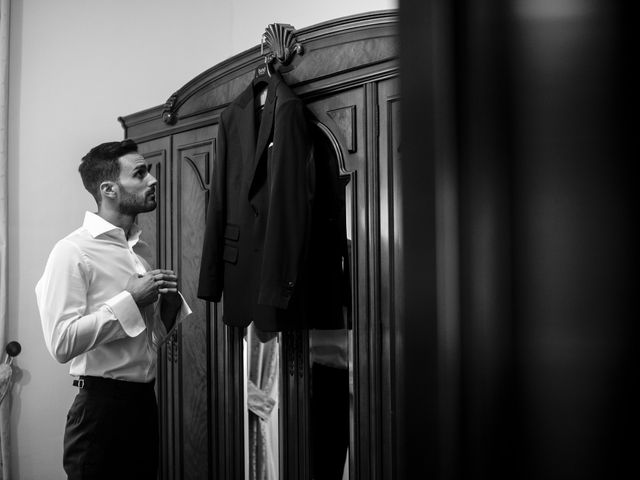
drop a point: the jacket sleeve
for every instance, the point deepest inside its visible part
(211, 281)
(291, 187)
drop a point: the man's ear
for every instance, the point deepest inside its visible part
(108, 189)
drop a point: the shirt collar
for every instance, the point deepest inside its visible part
(96, 225)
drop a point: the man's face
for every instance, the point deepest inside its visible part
(137, 187)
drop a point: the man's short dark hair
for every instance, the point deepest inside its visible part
(101, 164)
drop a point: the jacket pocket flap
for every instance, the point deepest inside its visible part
(230, 254)
(232, 232)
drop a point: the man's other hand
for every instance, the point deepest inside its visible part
(145, 288)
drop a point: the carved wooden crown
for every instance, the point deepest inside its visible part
(281, 40)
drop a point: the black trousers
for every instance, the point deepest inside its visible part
(112, 432)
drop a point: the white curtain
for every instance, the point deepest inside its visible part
(5, 471)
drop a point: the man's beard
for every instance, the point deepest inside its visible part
(130, 204)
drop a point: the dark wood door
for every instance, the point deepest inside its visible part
(154, 231)
(182, 164)
(193, 154)
(363, 124)
(347, 120)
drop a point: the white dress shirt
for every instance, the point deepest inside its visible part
(87, 316)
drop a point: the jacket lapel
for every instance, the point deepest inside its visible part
(246, 128)
(266, 127)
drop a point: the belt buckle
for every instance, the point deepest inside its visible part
(80, 383)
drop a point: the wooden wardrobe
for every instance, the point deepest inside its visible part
(346, 71)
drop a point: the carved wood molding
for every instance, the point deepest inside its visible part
(287, 50)
(282, 42)
(345, 119)
(169, 115)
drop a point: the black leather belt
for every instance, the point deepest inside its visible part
(111, 385)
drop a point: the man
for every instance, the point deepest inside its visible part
(104, 309)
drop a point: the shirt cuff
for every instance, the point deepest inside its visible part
(185, 310)
(127, 312)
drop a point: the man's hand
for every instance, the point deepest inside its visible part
(145, 288)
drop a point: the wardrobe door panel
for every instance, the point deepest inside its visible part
(193, 152)
(154, 224)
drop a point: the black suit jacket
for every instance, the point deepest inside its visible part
(259, 209)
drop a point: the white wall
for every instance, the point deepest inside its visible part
(250, 17)
(76, 65)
